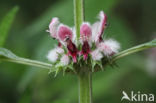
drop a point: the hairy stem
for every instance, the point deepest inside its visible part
(29, 62)
(84, 77)
(85, 87)
(78, 16)
(135, 49)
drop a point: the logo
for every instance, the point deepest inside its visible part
(138, 96)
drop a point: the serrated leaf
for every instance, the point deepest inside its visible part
(5, 25)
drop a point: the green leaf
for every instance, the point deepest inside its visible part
(6, 55)
(6, 24)
(135, 49)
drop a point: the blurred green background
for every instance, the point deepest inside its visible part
(131, 22)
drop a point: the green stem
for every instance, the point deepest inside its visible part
(29, 62)
(84, 77)
(78, 16)
(85, 87)
(135, 49)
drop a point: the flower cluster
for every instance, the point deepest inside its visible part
(90, 45)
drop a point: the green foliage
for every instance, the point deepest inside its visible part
(33, 42)
(138, 48)
(7, 55)
(4, 53)
(5, 25)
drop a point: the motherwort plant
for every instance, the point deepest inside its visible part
(82, 54)
(81, 50)
(90, 49)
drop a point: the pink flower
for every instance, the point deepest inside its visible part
(65, 35)
(109, 47)
(98, 28)
(86, 32)
(59, 50)
(103, 22)
(64, 32)
(53, 27)
(85, 50)
(52, 56)
(72, 50)
(96, 55)
(54, 53)
(90, 41)
(65, 60)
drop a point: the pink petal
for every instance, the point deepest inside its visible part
(98, 28)
(103, 20)
(72, 50)
(109, 47)
(85, 50)
(53, 27)
(65, 59)
(74, 59)
(85, 30)
(96, 55)
(95, 31)
(105, 49)
(85, 56)
(64, 32)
